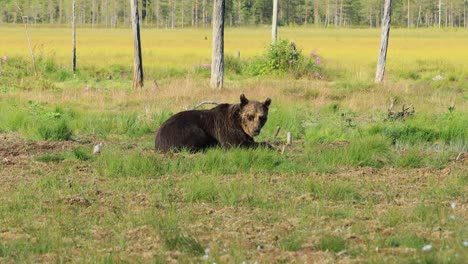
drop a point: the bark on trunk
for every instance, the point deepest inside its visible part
(379, 76)
(73, 37)
(137, 62)
(274, 26)
(217, 58)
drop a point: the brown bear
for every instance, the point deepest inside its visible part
(226, 125)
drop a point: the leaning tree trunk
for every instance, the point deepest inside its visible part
(274, 26)
(74, 37)
(217, 57)
(137, 62)
(379, 75)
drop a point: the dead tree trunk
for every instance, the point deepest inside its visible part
(217, 57)
(274, 26)
(74, 36)
(137, 61)
(379, 75)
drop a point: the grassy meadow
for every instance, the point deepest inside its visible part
(355, 186)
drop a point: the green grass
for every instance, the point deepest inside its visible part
(331, 243)
(353, 187)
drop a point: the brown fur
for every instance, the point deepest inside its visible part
(225, 125)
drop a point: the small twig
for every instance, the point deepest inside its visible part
(27, 35)
(283, 149)
(277, 132)
(459, 156)
(204, 103)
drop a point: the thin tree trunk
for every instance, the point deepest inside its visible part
(464, 14)
(193, 13)
(74, 37)
(379, 76)
(158, 13)
(327, 14)
(440, 11)
(419, 16)
(274, 26)
(409, 19)
(172, 14)
(306, 15)
(182, 15)
(446, 15)
(138, 62)
(217, 58)
(316, 13)
(336, 13)
(196, 13)
(93, 13)
(204, 12)
(341, 13)
(51, 12)
(239, 12)
(60, 12)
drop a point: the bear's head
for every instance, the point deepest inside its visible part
(253, 115)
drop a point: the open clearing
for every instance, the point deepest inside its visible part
(353, 188)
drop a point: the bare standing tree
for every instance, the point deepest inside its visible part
(73, 36)
(379, 75)
(217, 57)
(440, 11)
(137, 61)
(274, 26)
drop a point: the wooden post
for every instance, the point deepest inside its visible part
(73, 37)
(274, 23)
(137, 61)
(379, 75)
(217, 57)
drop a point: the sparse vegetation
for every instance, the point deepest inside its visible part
(353, 187)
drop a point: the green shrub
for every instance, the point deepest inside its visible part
(284, 57)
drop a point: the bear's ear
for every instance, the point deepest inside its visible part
(267, 102)
(243, 100)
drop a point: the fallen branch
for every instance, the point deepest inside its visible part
(204, 103)
(405, 111)
(276, 132)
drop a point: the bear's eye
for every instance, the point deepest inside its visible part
(250, 117)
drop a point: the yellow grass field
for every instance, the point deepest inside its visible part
(352, 49)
